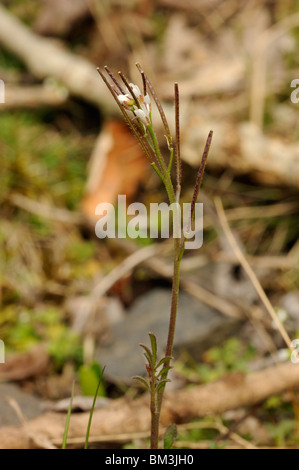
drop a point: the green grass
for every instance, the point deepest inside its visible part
(41, 162)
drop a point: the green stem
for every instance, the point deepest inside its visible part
(173, 313)
(164, 170)
(157, 401)
(158, 172)
(170, 159)
(174, 299)
(157, 397)
(155, 415)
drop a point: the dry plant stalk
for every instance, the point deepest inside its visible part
(255, 282)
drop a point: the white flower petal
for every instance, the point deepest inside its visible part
(126, 100)
(135, 90)
(147, 99)
(144, 118)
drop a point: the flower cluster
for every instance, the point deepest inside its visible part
(138, 103)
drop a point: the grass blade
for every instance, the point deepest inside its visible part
(92, 409)
(68, 417)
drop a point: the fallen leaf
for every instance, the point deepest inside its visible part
(117, 167)
(25, 365)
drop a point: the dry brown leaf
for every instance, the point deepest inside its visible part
(24, 365)
(117, 166)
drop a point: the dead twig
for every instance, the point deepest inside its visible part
(132, 416)
(123, 269)
(45, 210)
(255, 282)
(44, 58)
(259, 63)
(38, 441)
(31, 97)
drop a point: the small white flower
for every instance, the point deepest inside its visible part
(136, 90)
(147, 99)
(126, 100)
(142, 109)
(143, 116)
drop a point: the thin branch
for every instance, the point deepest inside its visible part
(111, 75)
(144, 82)
(199, 177)
(177, 141)
(158, 104)
(123, 268)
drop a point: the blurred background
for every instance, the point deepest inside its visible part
(69, 304)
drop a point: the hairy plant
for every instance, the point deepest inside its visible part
(136, 108)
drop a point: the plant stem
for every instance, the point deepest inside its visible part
(143, 130)
(170, 340)
(164, 170)
(155, 416)
(174, 298)
(157, 397)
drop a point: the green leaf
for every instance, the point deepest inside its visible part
(162, 384)
(89, 378)
(164, 371)
(148, 355)
(142, 380)
(170, 436)
(154, 346)
(163, 360)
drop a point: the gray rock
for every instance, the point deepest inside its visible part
(30, 406)
(198, 328)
